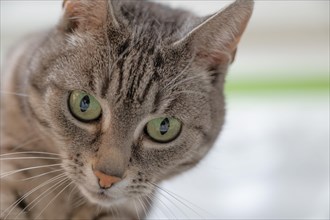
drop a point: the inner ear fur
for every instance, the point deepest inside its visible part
(87, 15)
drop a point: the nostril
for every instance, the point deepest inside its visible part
(101, 187)
(105, 181)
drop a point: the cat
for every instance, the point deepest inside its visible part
(117, 97)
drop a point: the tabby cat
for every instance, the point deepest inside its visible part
(101, 108)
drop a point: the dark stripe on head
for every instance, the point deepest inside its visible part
(91, 82)
(120, 65)
(123, 47)
(131, 90)
(156, 102)
(105, 86)
(137, 72)
(146, 90)
(140, 78)
(158, 60)
(151, 50)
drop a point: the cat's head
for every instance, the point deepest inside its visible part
(132, 93)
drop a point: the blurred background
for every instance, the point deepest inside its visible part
(272, 159)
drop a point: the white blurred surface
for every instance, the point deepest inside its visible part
(272, 159)
(270, 162)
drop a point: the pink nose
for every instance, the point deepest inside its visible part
(106, 181)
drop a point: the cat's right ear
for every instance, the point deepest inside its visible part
(215, 40)
(87, 15)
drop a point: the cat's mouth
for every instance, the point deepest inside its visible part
(101, 196)
(104, 197)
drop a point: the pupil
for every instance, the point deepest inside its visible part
(84, 104)
(164, 126)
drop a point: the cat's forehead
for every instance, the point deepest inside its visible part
(133, 58)
(128, 69)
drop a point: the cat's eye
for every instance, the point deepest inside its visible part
(163, 129)
(84, 106)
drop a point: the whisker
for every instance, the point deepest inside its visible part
(186, 80)
(98, 210)
(13, 93)
(190, 92)
(173, 203)
(152, 206)
(79, 203)
(12, 206)
(110, 211)
(166, 207)
(137, 213)
(192, 204)
(2, 175)
(190, 208)
(52, 200)
(101, 209)
(43, 195)
(29, 141)
(29, 152)
(39, 175)
(114, 211)
(26, 158)
(70, 194)
(143, 207)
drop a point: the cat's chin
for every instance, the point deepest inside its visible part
(100, 197)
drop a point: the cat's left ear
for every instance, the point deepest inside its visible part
(215, 40)
(87, 15)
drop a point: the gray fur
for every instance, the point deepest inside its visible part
(140, 60)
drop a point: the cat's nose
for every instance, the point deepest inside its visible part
(105, 181)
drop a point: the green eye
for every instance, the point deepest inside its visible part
(163, 129)
(84, 106)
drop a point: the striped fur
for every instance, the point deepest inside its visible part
(140, 60)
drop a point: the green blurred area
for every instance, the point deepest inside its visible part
(320, 83)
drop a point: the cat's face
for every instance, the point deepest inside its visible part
(127, 107)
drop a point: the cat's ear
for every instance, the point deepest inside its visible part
(215, 40)
(87, 15)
